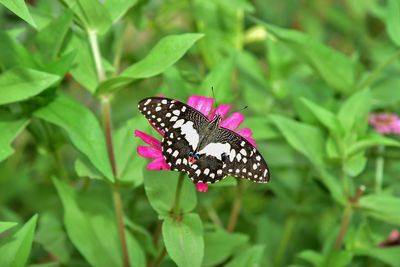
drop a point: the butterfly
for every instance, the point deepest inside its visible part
(200, 147)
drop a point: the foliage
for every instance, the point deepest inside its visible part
(74, 191)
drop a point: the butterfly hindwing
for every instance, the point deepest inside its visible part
(243, 159)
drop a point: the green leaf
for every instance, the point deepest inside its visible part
(312, 256)
(21, 83)
(184, 239)
(392, 21)
(82, 127)
(219, 245)
(335, 68)
(9, 129)
(353, 113)
(118, 8)
(305, 138)
(165, 53)
(324, 116)
(338, 258)
(381, 206)
(50, 38)
(388, 255)
(160, 189)
(90, 222)
(221, 79)
(15, 249)
(249, 257)
(84, 168)
(62, 65)
(371, 140)
(19, 8)
(130, 163)
(92, 14)
(4, 226)
(83, 70)
(14, 54)
(52, 236)
(355, 164)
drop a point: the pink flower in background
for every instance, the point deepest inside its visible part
(385, 123)
(392, 240)
(204, 105)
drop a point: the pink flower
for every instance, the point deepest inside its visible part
(392, 240)
(385, 123)
(204, 105)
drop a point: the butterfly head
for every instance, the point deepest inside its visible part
(193, 157)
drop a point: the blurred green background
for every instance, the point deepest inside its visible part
(309, 71)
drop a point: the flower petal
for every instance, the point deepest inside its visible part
(233, 121)
(202, 187)
(201, 103)
(245, 132)
(148, 139)
(149, 152)
(222, 110)
(158, 164)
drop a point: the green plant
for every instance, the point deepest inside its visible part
(74, 191)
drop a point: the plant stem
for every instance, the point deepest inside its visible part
(287, 233)
(347, 214)
(105, 103)
(159, 258)
(379, 169)
(378, 70)
(96, 55)
(237, 204)
(176, 208)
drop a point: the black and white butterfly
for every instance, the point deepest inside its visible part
(194, 144)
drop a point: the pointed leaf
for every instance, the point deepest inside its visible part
(388, 255)
(371, 140)
(165, 53)
(324, 116)
(14, 54)
(82, 127)
(9, 129)
(184, 240)
(249, 257)
(50, 38)
(20, 9)
(4, 226)
(15, 249)
(305, 138)
(20, 83)
(381, 206)
(90, 222)
(118, 8)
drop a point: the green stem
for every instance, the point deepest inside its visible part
(176, 208)
(287, 233)
(378, 70)
(379, 169)
(96, 55)
(344, 181)
(237, 204)
(105, 102)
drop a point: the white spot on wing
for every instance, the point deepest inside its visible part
(206, 171)
(232, 155)
(216, 149)
(147, 102)
(190, 134)
(176, 153)
(178, 123)
(176, 112)
(198, 172)
(158, 108)
(254, 166)
(219, 172)
(164, 101)
(243, 152)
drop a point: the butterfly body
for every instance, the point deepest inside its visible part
(194, 144)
